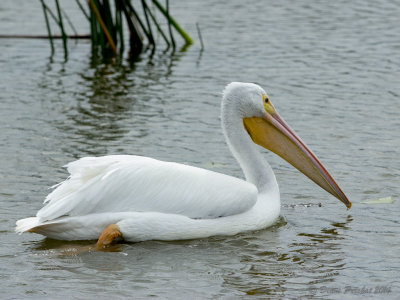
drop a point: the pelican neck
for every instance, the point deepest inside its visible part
(255, 168)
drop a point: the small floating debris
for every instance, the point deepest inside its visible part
(385, 200)
(212, 165)
(302, 205)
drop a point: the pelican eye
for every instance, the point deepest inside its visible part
(265, 98)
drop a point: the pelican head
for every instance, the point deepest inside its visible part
(250, 103)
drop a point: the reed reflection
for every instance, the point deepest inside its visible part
(107, 101)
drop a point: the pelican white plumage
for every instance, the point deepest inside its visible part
(139, 198)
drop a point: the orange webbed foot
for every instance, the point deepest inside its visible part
(110, 235)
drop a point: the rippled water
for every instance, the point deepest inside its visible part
(331, 69)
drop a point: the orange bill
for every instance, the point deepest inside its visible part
(274, 134)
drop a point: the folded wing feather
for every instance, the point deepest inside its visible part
(123, 183)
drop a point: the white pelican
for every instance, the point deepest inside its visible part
(139, 198)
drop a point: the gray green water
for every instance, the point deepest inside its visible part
(332, 71)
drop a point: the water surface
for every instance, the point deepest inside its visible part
(332, 71)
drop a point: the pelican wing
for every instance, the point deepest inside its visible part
(125, 183)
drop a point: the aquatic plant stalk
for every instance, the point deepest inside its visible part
(48, 27)
(51, 14)
(93, 29)
(135, 38)
(83, 10)
(62, 28)
(40, 36)
(200, 37)
(135, 15)
(145, 9)
(169, 27)
(103, 26)
(119, 25)
(157, 26)
(69, 22)
(107, 25)
(178, 28)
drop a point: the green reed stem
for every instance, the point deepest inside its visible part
(64, 36)
(151, 37)
(200, 37)
(69, 22)
(48, 27)
(135, 15)
(157, 26)
(135, 39)
(83, 10)
(178, 28)
(103, 26)
(119, 24)
(169, 27)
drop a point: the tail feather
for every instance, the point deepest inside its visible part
(81, 171)
(66, 194)
(27, 224)
(69, 195)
